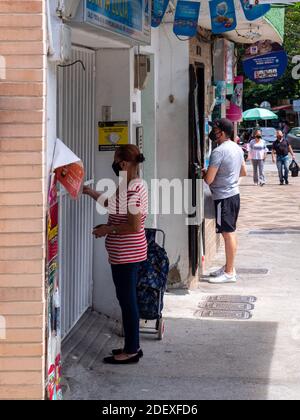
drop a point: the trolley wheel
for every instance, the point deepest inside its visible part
(161, 329)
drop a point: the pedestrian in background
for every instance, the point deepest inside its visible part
(258, 152)
(280, 156)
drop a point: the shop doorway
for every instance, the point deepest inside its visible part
(76, 128)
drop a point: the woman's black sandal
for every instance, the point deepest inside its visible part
(112, 361)
(117, 352)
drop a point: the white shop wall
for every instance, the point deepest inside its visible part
(172, 146)
(114, 87)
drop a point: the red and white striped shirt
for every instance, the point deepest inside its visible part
(128, 248)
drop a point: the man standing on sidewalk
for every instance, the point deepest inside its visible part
(226, 166)
(281, 149)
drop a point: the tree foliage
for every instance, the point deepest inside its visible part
(286, 87)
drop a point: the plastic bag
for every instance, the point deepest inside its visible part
(209, 205)
(294, 168)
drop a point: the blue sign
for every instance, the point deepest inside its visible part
(265, 62)
(128, 18)
(253, 12)
(223, 16)
(186, 18)
(159, 8)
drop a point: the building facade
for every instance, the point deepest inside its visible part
(60, 73)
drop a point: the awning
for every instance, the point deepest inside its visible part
(282, 107)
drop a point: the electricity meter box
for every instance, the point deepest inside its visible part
(142, 69)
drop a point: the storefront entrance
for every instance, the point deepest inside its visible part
(76, 128)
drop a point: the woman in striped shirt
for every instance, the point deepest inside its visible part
(126, 245)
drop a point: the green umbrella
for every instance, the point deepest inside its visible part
(256, 114)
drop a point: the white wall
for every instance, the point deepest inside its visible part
(113, 88)
(172, 146)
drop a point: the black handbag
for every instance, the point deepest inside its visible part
(294, 168)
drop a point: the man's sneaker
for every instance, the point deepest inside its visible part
(224, 278)
(220, 272)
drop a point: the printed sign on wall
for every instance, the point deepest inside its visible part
(254, 11)
(159, 8)
(112, 134)
(186, 18)
(234, 110)
(265, 62)
(53, 299)
(223, 16)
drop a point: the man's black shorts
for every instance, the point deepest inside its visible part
(227, 213)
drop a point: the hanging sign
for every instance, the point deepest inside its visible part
(112, 134)
(234, 110)
(159, 8)
(223, 16)
(186, 18)
(254, 11)
(53, 299)
(265, 62)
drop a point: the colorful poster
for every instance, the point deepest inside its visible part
(265, 62)
(223, 16)
(221, 93)
(112, 134)
(159, 8)
(186, 18)
(53, 299)
(254, 11)
(234, 111)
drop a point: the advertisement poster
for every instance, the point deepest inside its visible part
(186, 18)
(113, 134)
(221, 92)
(53, 299)
(128, 18)
(223, 16)
(234, 111)
(254, 11)
(159, 8)
(265, 62)
(69, 169)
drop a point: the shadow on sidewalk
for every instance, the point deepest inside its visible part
(198, 359)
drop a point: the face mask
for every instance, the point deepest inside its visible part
(116, 168)
(214, 137)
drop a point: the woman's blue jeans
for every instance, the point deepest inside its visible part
(125, 278)
(283, 168)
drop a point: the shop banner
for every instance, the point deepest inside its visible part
(159, 8)
(223, 16)
(69, 169)
(265, 62)
(186, 18)
(254, 11)
(128, 18)
(234, 111)
(113, 134)
(53, 299)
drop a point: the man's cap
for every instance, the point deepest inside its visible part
(224, 125)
